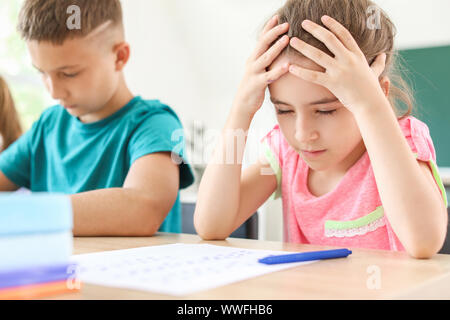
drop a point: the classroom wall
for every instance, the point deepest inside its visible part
(197, 48)
(419, 23)
(190, 54)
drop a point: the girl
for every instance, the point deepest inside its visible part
(351, 172)
(10, 129)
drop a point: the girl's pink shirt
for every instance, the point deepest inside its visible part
(352, 214)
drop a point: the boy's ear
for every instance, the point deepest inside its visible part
(385, 84)
(122, 52)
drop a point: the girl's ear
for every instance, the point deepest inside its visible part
(385, 84)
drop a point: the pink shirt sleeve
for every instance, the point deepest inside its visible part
(274, 141)
(274, 146)
(418, 136)
(419, 139)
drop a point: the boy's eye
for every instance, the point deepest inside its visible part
(69, 75)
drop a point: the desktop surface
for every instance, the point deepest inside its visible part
(365, 274)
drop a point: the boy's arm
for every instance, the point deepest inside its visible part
(138, 208)
(6, 185)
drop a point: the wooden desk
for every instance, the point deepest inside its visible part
(401, 277)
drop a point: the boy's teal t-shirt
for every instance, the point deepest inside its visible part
(63, 155)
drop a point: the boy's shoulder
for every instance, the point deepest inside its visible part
(139, 111)
(151, 114)
(51, 113)
(140, 107)
(153, 107)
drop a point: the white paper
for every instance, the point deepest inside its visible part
(175, 269)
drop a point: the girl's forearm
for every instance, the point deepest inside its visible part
(412, 205)
(218, 195)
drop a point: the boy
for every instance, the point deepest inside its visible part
(110, 150)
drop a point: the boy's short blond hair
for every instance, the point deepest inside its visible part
(46, 20)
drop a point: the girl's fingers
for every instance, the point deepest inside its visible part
(308, 75)
(268, 38)
(270, 55)
(379, 64)
(326, 37)
(316, 55)
(276, 73)
(270, 24)
(342, 33)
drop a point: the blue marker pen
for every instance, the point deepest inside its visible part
(306, 256)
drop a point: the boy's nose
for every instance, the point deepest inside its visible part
(56, 91)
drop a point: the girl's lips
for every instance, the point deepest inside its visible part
(314, 154)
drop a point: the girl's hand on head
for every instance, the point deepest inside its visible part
(348, 75)
(250, 95)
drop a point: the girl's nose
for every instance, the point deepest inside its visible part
(305, 130)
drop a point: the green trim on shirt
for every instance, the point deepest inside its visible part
(358, 223)
(437, 178)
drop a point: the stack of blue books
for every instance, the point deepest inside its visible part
(35, 245)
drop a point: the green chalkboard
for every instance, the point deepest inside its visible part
(429, 76)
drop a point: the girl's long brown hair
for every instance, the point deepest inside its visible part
(359, 17)
(10, 128)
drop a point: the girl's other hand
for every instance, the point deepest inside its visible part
(348, 75)
(250, 95)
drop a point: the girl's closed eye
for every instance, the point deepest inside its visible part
(320, 112)
(279, 111)
(327, 112)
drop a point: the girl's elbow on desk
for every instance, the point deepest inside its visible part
(207, 232)
(423, 235)
(422, 252)
(425, 247)
(209, 235)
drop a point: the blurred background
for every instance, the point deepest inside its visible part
(190, 55)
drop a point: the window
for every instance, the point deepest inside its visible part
(28, 91)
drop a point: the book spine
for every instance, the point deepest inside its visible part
(21, 252)
(37, 290)
(34, 213)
